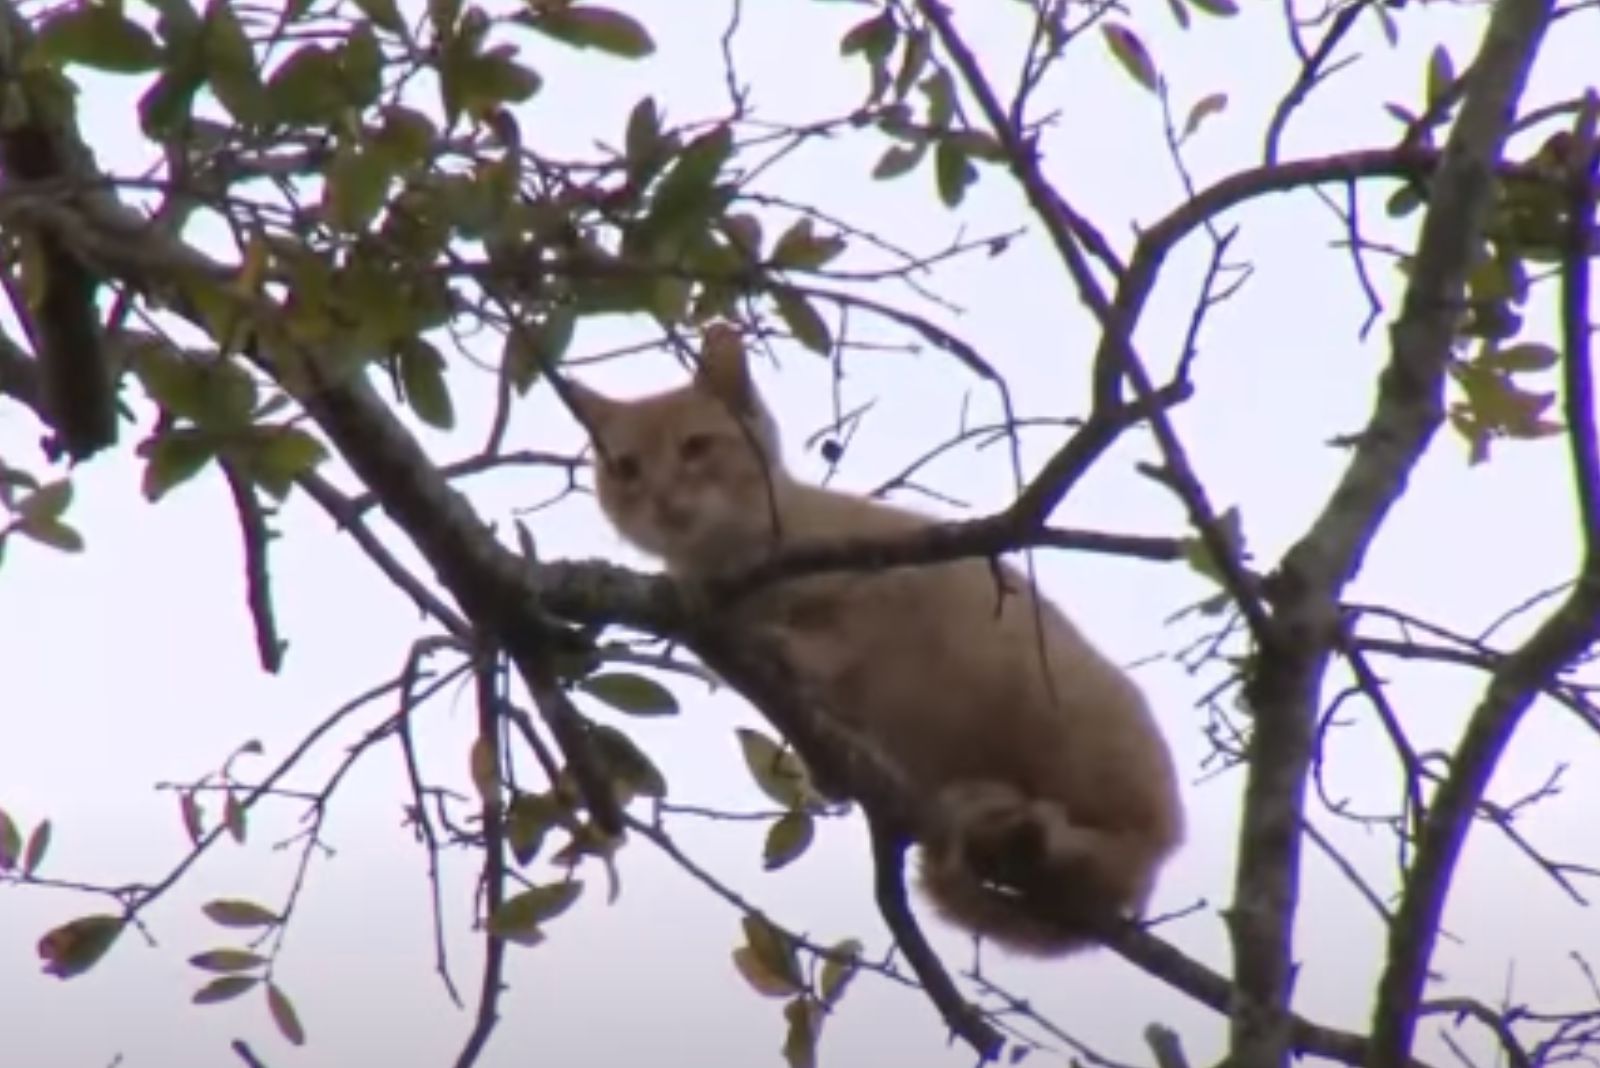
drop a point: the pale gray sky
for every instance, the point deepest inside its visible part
(133, 663)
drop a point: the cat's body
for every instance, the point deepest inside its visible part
(1053, 762)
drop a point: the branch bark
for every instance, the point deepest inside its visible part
(1512, 40)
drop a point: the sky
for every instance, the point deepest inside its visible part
(132, 664)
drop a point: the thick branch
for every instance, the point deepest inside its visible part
(76, 376)
(488, 581)
(1408, 411)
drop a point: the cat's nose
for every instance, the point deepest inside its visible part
(672, 514)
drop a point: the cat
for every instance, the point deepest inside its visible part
(1055, 763)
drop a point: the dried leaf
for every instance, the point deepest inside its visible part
(75, 947)
(1204, 108)
(284, 1016)
(234, 912)
(227, 960)
(1132, 54)
(225, 988)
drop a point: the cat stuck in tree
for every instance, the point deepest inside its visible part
(1029, 748)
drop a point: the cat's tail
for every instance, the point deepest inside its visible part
(1019, 872)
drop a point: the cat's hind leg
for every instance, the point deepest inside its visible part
(1019, 869)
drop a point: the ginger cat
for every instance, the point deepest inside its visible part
(1054, 763)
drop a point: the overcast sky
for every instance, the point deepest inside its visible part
(133, 663)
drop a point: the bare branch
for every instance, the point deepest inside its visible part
(1408, 411)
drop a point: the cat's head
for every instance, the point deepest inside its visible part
(688, 475)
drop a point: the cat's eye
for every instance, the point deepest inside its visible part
(624, 468)
(694, 447)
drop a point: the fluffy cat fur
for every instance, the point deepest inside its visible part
(1054, 764)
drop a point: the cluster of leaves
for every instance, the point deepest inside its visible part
(780, 774)
(1529, 224)
(234, 804)
(19, 859)
(36, 511)
(770, 962)
(241, 970)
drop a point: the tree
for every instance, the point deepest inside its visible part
(358, 234)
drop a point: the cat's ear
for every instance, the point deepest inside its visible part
(592, 409)
(724, 371)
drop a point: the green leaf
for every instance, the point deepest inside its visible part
(774, 949)
(304, 90)
(233, 817)
(231, 64)
(1405, 200)
(637, 695)
(669, 298)
(422, 379)
(174, 458)
(529, 818)
(1441, 73)
(800, 249)
(193, 816)
(1222, 8)
(600, 28)
(225, 988)
(686, 191)
(481, 84)
(38, 845)
(627, 763)
(1131, 53)
(383, 12)
(744, 234)
(761, 979)
(875, 38)
(803, 320)
(953, 173)
(52, 532)
(407, 136)
(977, 143)
(275, 456)
(912, 62)
(172, 380)
(642, 140)
(10, 841)
(75, 947)
(839, 969)
(777, 771)
(283, 1014)
(899, 159)
(357, 185)
(167, 105)
(805, 1027)
(1527, 356)
(531, 349)
(97, 35)
(227, 960)
(789, 836)
(361, 67)
(519, 916)
(46, 503)
(941, 93)
(234, 912)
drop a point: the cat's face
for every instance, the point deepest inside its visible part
(687, 475)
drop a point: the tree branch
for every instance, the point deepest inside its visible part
(1409, 409)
